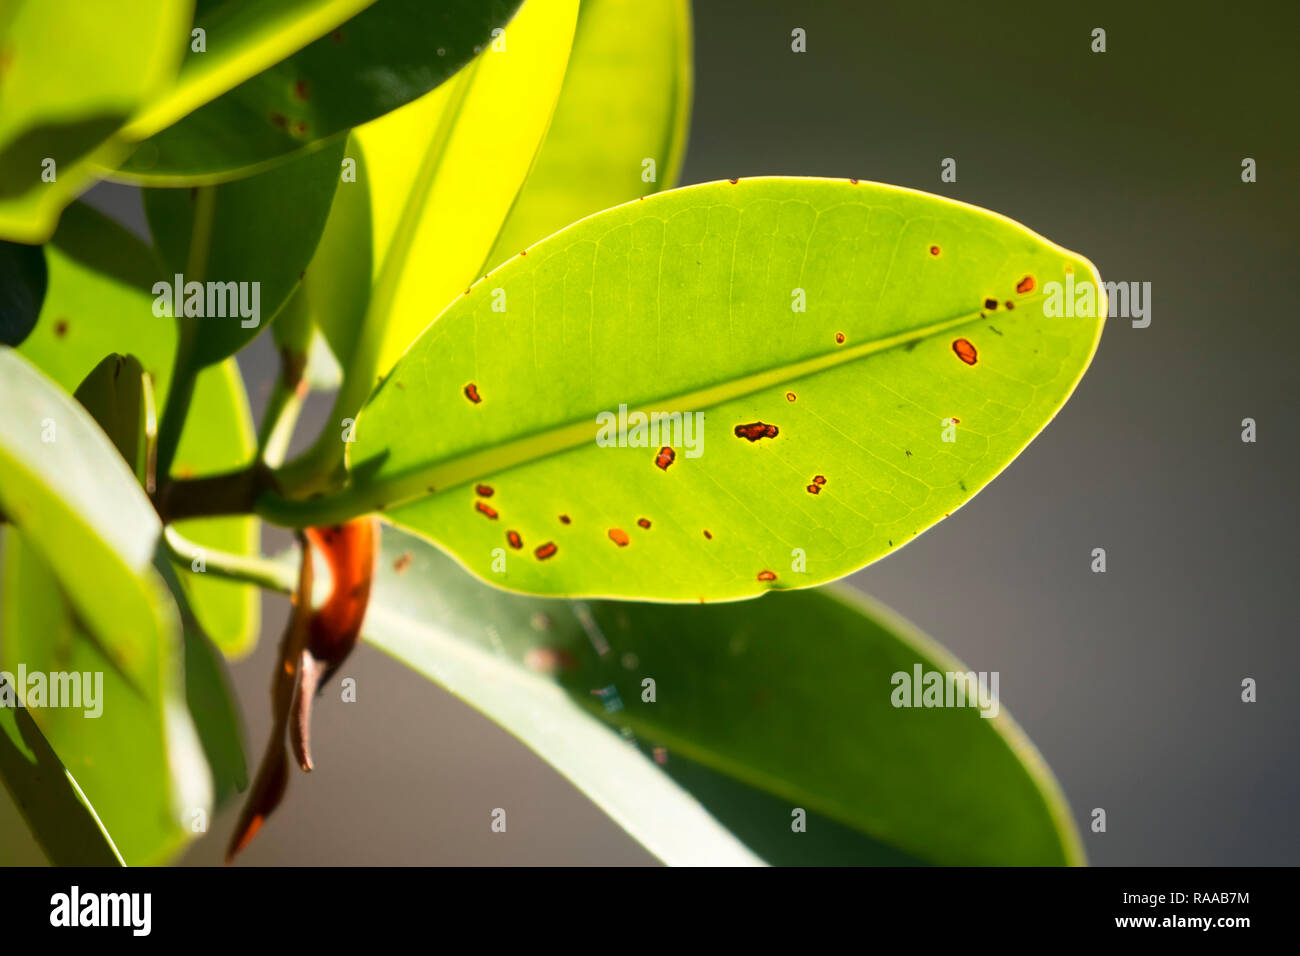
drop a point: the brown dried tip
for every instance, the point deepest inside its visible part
(665, 458)
(618, 536)
(756, 430)
(471, 392)
(486, 509)
(965, 351)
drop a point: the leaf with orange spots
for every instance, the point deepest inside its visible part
(680, 305)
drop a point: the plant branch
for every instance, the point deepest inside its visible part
(263, 572)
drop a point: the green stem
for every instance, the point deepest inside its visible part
(263, 572)
(185, 370)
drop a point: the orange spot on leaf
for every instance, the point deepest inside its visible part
(665, 457)
(643, 522)
(486, 491)
(484, 508)
(546, 550)
(767, 575)
(619, 537)
(1025, 285)
(516, 542)
(471, 392)
(965, 351)
(756, 430)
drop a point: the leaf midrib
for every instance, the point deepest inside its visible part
(439, 476)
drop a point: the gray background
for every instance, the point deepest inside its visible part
(1129, 682)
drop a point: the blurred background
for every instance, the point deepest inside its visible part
(1129, 682)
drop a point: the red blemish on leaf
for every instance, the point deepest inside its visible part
(643, 522)
(546, 550)
(756, 430)
(471, 392)
(665, 457)
(790, 396)
(708, 534)
(991, 304)
(1009, 304)
(484, 508)
(1025, 285)
(819, 479)
(935, 250)
(955, 421)
(619, 537)
(484, 491)
(565, 519)
(516, 542)
(839, 338)
(402, 563)
(965, 351)
(814, 489)
(61, 328)
(767, 575)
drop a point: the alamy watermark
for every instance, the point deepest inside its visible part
(74, 689)
(218, 300)
(923, 688)
(653, 430)
(1127, 300)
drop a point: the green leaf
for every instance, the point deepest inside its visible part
(759, 708)
(89, 535)
(119, 395)
(259, 233)
(99, 302)
(629, 77)
(50, 800)
(72, 74)
(444, 171)
(23, 278)
(384, 57)
(682, 303)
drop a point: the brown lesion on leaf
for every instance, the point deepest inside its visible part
(515, 540)
(767, 575)
(665, 458)
(1025, 285)
(565, 519)
(965, 351)
(544, 551)
(839, 338)
(484, 508)
(753, 431)
(484, 491)
(643, 522)
(935, 250)
(619, 537)
(471, 392)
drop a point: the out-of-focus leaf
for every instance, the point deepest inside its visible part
(99, 302)
(248, 242)
(759, 708)
(23, 278)
(384, 57)
(71, 74)
(444, 171)
(619, 130)
(88, 535)
(50, 800)
(119, 395)
(836, 367)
